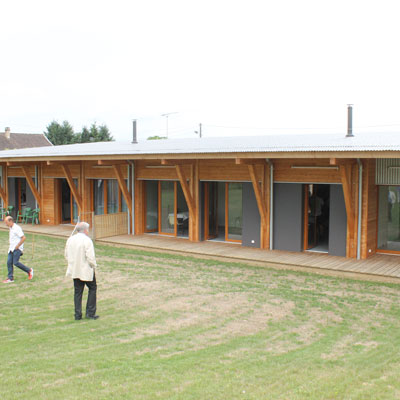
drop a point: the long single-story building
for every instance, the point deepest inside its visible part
(327, 193)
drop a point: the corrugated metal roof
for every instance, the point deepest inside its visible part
(213, 145)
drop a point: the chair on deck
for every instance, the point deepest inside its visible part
(23, 214)
(10, 209)
(34, 215)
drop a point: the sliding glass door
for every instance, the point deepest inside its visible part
(151, 204)
(167, 207)
(389, 219)
(233, 215)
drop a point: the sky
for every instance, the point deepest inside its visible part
(237, 67)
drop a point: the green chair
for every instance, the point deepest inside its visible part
(34, 215)
(3, 212)
(23, 214)
(10, 209)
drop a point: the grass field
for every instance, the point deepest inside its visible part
(180, 328)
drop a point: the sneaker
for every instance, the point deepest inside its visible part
(30, 276)
(8, 281)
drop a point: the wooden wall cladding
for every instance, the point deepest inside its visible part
(283, 171)
(104, 172)
(156, 171)
(48, 213)
(226, 170)
(55, 171)
(91, 171)
(16, 172)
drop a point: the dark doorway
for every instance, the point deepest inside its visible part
(316, 218)
(65, 202)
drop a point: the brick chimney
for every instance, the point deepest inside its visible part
(7, 132)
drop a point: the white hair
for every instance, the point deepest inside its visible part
(82, 227)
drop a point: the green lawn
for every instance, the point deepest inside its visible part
(180, 328)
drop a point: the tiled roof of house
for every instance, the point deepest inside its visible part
(22, 140)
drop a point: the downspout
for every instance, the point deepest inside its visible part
(132, 184)
(271, 203)
(360, 176)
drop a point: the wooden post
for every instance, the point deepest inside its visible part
(345, 175)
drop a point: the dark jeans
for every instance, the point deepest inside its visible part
(91, 300)
(13, 259)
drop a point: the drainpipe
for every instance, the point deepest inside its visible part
(132, 185)
(360, 175)
(271, 203)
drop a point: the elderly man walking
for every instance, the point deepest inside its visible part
(79, 253)
(15, 250)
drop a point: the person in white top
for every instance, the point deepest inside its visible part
(15, 250)
(79, 252)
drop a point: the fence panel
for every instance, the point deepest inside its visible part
(110, 225)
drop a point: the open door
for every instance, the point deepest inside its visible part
(316, 217)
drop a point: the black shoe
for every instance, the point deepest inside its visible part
(93, 317)
(78, 318)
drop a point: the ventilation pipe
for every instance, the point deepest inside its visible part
(134, 132)
(350, 120)
(7, 132)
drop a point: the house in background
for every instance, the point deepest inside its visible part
(10, 140)
(20, 195)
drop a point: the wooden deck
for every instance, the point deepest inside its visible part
(380, 267)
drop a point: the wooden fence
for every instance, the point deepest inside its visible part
(110, 225)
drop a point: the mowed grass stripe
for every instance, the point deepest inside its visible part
(175, 327)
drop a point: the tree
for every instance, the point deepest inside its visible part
(64, 134)
(60, 134)
(156, 137)
(94, 134)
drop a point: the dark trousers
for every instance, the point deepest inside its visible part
(13, 259)
(91, 300)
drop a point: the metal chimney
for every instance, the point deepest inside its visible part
(350, 120)
(134, 132)
(7, 132)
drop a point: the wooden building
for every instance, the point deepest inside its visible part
(328, 193)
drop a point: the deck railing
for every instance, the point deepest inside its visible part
(110, 225)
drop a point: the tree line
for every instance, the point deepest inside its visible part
(64, 133)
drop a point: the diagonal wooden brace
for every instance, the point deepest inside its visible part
(186, 190)
(123, 187)
(32, 185)
(259, 198)
(72, 186)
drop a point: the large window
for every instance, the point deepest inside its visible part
(112, 196)
(389, 218)
(98, 196)
(107, 197)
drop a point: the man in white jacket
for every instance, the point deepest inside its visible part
(79, 253)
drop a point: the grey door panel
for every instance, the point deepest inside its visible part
(288, 216)
(337, 222)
